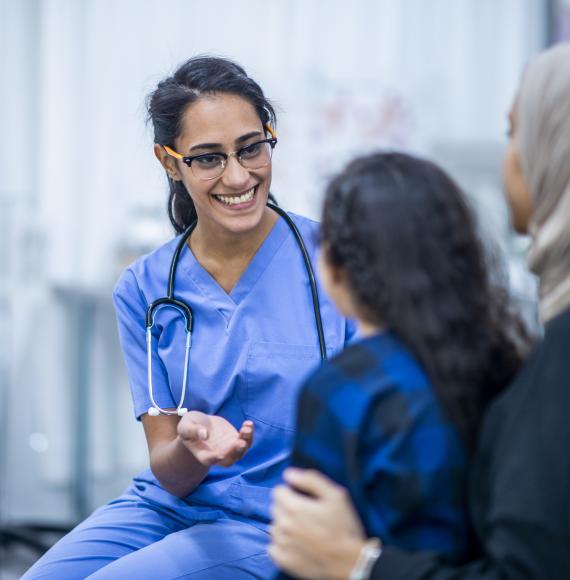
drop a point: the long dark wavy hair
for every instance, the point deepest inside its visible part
(402, 232)
(166, 105)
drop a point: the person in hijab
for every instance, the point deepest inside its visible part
(520, 486)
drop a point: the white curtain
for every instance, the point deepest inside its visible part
(85, 194)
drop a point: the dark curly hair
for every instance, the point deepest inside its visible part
(402, 232)
(166, 105)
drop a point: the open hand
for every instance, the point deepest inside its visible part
(213, 440)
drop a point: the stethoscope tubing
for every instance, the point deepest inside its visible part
(310, 275)
(186, 311)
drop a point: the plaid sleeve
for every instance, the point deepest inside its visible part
(413, 474)
(319, 436)
(332, 406)
(371, 421)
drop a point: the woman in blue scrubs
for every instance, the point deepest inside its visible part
(202, 509)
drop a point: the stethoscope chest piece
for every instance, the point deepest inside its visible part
(170, 302)
(186, 312)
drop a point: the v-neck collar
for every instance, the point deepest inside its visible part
(218, 298)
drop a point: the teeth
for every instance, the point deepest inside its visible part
(235, 199)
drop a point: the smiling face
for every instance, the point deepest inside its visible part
(236, 200)
(516, 188)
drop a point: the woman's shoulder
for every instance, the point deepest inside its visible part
(557, 334)
(303, 220)
(544, 376)
(309, 230)
(148, 270)
(305, 224)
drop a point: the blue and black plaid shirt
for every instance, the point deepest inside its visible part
(370, 420)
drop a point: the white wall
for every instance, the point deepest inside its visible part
(444, 69)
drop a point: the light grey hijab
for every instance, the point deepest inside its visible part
(543, 140)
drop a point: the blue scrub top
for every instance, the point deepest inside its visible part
(251, 350)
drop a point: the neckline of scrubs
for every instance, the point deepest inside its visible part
(218, 298)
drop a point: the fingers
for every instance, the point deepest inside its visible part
(246, 433)
(247, 428)
(234, 453)
(289, 505)
(237, 449)
(278, 556)
(312, 482)
(288, 532)
(215, 438)
(192, 432)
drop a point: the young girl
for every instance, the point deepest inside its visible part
(394, 417)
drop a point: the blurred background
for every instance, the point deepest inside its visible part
(81, 194)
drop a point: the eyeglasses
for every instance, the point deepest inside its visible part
(211, 165)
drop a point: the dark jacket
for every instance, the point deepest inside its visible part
(520, 487)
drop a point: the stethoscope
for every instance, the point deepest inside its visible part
(170, 301)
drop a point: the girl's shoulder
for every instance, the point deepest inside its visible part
(374, 376)
(375, 364)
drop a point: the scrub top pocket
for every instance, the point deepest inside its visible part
(274, 374)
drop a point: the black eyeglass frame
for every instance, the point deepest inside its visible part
(188, 160)
(225, 156)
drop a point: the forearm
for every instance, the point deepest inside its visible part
(177, 470)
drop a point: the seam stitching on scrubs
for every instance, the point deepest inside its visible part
(206, 294)
(291, 429)
(218, 565)
(141, 294)
(165, 371)
(278, 245)
(245, 402)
